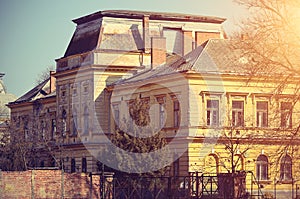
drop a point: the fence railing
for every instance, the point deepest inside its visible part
(193, 186)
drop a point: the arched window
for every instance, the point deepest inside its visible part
(286, 168)
(86, 120)
(262, 167)
(238, 160)
(212, 163)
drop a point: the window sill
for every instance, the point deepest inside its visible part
(290, 181)
(264, 181)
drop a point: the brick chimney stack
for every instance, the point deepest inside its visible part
(158, 51)
(146, 37)
(52, 82)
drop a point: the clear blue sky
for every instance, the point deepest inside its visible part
(33, 33)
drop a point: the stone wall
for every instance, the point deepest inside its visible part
(48, 184)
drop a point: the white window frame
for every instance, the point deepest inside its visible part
(262, 114)
(236, 112)
(212, 112)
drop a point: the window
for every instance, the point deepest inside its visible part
(176, 113)
(43, 130)
(53, 128)
(212, 164)
(74, 123)
(262, 114)
(73, 165)
(26, 131)
(286, 114)
(161, 115)
(42, 163)
(86, 120)
(262, 167)
(238, 160)
(237, 113)
(74, 90)
(84, 165)
(286, 168)
(116, 115)
(64, 122)
(212, 113)
(52, 162)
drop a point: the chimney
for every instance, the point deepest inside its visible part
(146, 37)
(52, 82)
(158, 51)
(187, 42)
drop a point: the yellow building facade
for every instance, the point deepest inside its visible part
(223, 120)
(215, 117)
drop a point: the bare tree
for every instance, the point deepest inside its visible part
(123, 138)
(272, 36)
(42, 76)
(268, 42)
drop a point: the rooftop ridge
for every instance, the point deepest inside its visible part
(134, 14)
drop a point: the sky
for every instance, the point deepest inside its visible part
(33, 33)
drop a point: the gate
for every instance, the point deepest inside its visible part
(224, 186)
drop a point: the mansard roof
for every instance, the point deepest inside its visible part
(88, 34)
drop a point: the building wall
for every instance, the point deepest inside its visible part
(114, 58)
(48, 184)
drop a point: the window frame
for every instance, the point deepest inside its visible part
(211, 111)
(64, 122)
(286, 115)
(74, 123)
(215, 164)
(161, 111)
(73, 165)
(116, 115)
(236, 112)
(176, 113)
(262, 115)
(84, 165)
(85, 120)
(53, 128)
(262, 167)
(286, 168)
(26, 130)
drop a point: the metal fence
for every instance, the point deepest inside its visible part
(193, 186)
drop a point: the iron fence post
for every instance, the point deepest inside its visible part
(91, 185)
(197, 184)
(169, 187)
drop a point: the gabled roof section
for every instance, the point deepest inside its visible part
(215, 56)
(38, 92)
